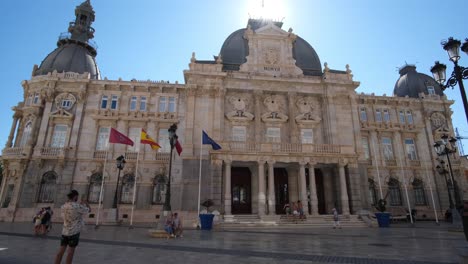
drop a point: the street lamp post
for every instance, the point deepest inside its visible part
(172, 141)
(445, 147)
(442, 171)
(120, 166)
(452, 46)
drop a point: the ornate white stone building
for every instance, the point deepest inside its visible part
(289, 129)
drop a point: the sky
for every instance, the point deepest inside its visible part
(148, 39)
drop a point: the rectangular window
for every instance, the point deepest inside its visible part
(29, 101)
(59, 136)
(409, 117)
(410, 149)
(104, 102)
(387, 148)
(133, 103)
(172, 105)
(114, 102)
(378, 115)
(36, 98)
(66, 103)
(307, 136)
(162, 104)
(273, 134)
(103, 138)
(239, 133)
(386, 116)
(163, 140)
(402, 116)
(134, 134)
(365, 147)
(430, 90)
(363, 114)
(143, 103)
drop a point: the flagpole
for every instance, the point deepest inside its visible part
(102, 186)
(200, 171)
(134, 187)
(432, 194)
(403, 174)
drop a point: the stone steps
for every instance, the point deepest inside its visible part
(254, 221)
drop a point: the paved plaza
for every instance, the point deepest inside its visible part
(425, 243)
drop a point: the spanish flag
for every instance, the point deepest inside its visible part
(145, 139)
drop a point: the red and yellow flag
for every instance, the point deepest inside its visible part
(145, 139)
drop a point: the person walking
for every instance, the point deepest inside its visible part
(72, 214)
(336, 219)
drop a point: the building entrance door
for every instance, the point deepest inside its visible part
(241, 184)
(322, 209)
(281, 189)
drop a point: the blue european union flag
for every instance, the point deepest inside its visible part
(210, 141)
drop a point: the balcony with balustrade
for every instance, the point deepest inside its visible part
(284, 148)
(16, 153)
(53, 152)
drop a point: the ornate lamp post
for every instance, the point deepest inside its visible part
(452, 46)
(445, 147)
(442, 171)
(120, 166)
(172, 141)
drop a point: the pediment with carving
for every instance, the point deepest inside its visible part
(270, 52)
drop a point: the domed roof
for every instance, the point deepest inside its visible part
(235, 49)
(70, 57)
(411, 83)
(75, 51)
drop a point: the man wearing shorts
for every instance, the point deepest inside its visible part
(72, 214)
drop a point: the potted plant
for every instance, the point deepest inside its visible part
(383, 218)
(206, 220)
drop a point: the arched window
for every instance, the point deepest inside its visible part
(395, 194)
(26, 134)
(159, 189)
(419, 195)
(372, 192)
(47, 189)
(94, 188)
(126, 192)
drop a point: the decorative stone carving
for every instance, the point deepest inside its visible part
(438, 120)
(275, 106)
(65, 101)
(240, 104)
(307, 111)
(271, 56)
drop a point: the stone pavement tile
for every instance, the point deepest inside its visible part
(358, 245)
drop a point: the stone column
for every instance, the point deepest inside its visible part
(292, 121)
(313, 190)
(344, 190)
(43, 129)
(261, 187)
(258, 113)
(9, 143)
(227, 187)
(271, 188)
(303, 186)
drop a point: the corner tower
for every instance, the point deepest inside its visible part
(75, 51)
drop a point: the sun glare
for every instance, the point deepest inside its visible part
(268, 9)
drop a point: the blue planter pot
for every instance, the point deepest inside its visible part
(383, 219)
(206, 221)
